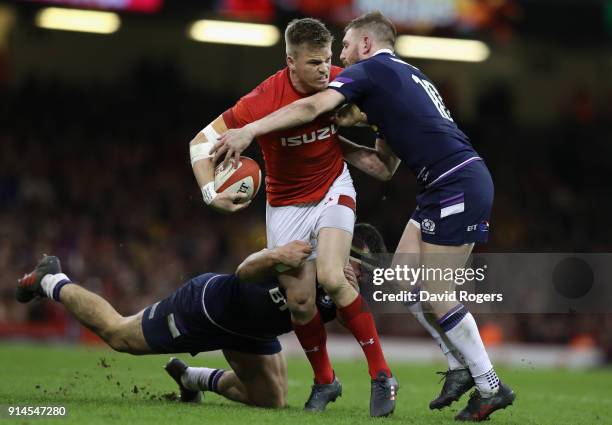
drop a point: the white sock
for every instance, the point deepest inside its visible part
(201, 378)
(463, 334)
(454, 358)
(50, 281)
(487, 383)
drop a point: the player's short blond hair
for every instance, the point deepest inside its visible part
(308, 32)
(377, 24)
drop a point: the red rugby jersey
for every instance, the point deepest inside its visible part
(302, 162)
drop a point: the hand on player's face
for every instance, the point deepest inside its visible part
(294, 253)
(232, 143)
(230, 202)
(349, 115)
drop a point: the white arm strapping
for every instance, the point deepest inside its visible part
(202, 150)
(208, 192)
(210, 133)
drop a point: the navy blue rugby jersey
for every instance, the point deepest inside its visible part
(406, 109)
(255, 309)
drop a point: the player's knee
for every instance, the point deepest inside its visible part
(116, 339)
(331, 278)
(302, 309)
(300, 303)
(116, 342)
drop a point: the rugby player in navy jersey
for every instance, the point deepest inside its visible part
(241, 314)
(453, 207)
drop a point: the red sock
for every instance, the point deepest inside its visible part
(359, 320)
(313, 338)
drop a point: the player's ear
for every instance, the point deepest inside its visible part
(366, 44)
(291, 62)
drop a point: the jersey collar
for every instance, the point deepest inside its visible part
(380, 51)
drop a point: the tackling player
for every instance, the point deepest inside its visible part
(310, 197)
(241, 314)
(453, 207)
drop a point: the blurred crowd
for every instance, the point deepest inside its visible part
(100, 176)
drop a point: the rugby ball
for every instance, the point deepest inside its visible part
(245, 178)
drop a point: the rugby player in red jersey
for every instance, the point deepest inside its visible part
(453, 206)
(310, 197)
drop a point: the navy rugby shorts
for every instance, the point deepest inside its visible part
(457, 209)
(178, 324)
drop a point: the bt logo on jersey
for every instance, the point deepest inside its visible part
(278, 298)
(483, 226)
(320, 134)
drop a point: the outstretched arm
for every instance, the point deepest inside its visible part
(379, 162)
(204, 169)
(267, 261)
(233, 142)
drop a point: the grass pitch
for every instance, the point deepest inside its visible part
(99, 386)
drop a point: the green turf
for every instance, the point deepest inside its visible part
(97, 391)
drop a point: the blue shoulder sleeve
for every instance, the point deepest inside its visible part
(352, 83)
